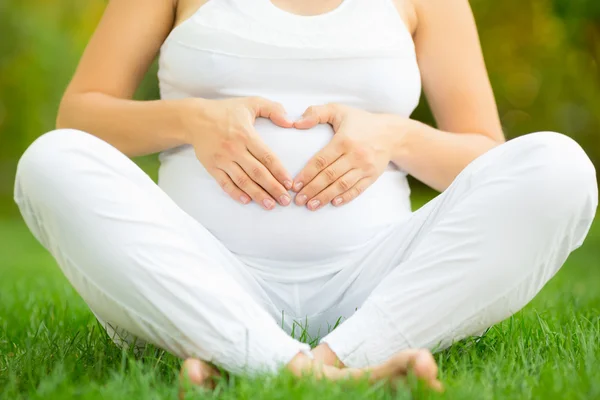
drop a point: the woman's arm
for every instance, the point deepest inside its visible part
(458, 90)
(98, 99)
(433, 156)
(456, 84)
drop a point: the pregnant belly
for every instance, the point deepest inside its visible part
(285, 233)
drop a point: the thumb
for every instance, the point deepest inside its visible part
(315, 115)
(272, 110)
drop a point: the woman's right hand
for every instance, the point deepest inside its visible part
(226, 143)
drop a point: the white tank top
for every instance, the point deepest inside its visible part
(360, 54)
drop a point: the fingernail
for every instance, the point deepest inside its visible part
(298, 186)
(288, 184)
(269, 204)
(314, 204)
(301, 199)
(285, 200)
(244, 199)
(337, 201)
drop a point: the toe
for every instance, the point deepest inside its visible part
(197, 373)
(419, 361)
(425, 368)
(436, 385)
(424, 365)
(192, 370)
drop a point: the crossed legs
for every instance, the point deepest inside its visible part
(475, 255)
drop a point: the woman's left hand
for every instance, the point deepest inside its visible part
(356, 156)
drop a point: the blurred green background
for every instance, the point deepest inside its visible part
(542, 58)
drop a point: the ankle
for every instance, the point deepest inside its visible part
(324, 355)
(300, 364)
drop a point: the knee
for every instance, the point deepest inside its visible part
(557, 170)
(53, 155)
(560, 160)
(54, 150)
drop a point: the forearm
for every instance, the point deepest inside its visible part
(134, 127)
(432, 156)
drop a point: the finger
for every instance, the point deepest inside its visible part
(272, 110)
(266, 157)
(261, 175)
(315, 115)
(318, 163)
(229, 187)
(353, 192)
(336, 189)
(324, 179)
(247, 185)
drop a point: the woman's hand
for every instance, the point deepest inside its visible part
(223, 136)
(356, 156)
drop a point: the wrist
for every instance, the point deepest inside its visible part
(399, 131)
(187, 112)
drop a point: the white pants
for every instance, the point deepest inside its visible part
(470, 258)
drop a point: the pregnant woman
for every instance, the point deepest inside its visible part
(285, 140)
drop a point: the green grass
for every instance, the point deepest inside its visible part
(52, 348)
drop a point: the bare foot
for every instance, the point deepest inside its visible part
(198, 373)
(419, 362)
